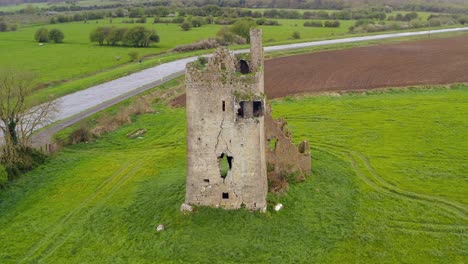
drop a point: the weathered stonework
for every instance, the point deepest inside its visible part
(226, 115)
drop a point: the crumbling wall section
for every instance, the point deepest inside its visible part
(285, 161)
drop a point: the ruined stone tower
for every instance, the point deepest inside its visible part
(226, 160)
(235, 149)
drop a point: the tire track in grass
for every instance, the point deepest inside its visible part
(429, 227)
(399, 224)
(458, 208)
(63, 237)
(58, 227)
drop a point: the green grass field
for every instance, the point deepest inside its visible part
(77, 56)
(78, 64)
(388, 185)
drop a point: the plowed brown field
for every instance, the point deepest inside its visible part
(436, 61)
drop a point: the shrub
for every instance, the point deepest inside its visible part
(3, 176)
(141, 20)
(260, 21)
(334, 23)
(225, 21)
(313, 23)
(13, 27)
(225, 37)
(80, 135)
(199, 45)
(56, 35)
(3, 26)
(271, 23)
(133, 55)
(242, 28)
(177, 20)
(185, 26)
(296, 35)
(42, 35)
(29, 159)
(197, 22)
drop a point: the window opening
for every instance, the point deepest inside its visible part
(257, 108)
(244, 67)
(225, 165)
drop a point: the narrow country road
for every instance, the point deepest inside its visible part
(79, 105)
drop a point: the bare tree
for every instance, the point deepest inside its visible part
(18, 118)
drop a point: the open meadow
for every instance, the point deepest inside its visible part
(388, 185)
(78, 63)
(78, 57)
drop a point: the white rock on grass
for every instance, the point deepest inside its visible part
(278, 207)
(160, 228)
(186, 208)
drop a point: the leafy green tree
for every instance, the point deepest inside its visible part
(99, 34)
(42, 35)
(140, 37)
(242, 28)
(116, 35)
(120, 12)
(56, 35)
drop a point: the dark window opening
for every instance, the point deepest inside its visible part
(224, 106)
(257, 108)
(240, 111)
(244, 67)
(225, 165)
(249, 109)
(206, 180)
(225, 195)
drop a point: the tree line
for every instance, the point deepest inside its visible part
(137, 36)
(455, 6)
(44, 35)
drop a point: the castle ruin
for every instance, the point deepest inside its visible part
(230, 155)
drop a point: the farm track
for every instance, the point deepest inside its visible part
(369, 176)
(60, 232)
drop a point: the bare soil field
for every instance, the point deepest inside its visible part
(432, 61)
